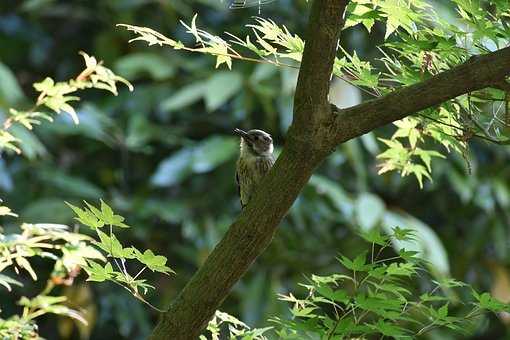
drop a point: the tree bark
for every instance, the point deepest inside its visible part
(479, 72)
(316, 130)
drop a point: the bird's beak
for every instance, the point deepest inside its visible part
(241, 133)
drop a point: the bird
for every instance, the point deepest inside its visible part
(255, 160)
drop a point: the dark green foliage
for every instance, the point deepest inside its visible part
(163, 157)
(377, 298)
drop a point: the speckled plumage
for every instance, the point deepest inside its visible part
(249, 173)
(255, 160)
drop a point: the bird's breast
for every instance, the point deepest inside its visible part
(257, 166)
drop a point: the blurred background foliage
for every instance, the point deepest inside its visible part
(164, 157)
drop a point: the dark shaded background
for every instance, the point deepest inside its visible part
(164, 157)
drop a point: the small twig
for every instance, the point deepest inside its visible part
(139, 297)
(388, 259)
(111, 252)
(486, 138)
(141, 271)
(123, 262)
(332, 332)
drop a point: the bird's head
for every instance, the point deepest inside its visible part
(256, 142)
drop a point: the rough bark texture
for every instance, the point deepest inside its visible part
(478, 73)
(316, 130)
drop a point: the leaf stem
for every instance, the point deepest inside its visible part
(140, 272)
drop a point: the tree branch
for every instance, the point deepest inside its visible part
(312, 89)
(248, 237)
(315, 132)
(480, 72)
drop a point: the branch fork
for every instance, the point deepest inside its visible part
(317, 128)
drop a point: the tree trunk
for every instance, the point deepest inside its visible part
(317, 129)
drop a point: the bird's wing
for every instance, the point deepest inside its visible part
(238, 184)
(239, 189)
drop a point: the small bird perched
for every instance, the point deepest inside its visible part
(255, 160)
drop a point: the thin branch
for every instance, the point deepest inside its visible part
(139, 297)
(484, 137)
(476, 74)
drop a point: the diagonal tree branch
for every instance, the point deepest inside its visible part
(479, 72)
(252, 232)
(316, 130)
